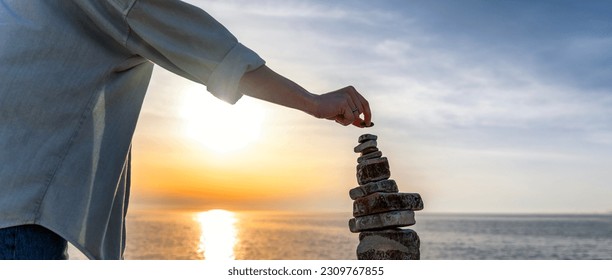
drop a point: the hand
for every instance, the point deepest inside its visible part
(345, 106)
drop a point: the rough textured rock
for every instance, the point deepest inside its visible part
(367, 137)
(387, 186)
(372, 170)
(389, 245)
(385, 202)
(382, 221)
(365, 145)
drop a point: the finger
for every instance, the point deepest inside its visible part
(367, 113)
(354, 100)
(357, 99)
(358, 123)
(354, 108)
(341, 120)
(347, 116)
(362, 105)
(356, 111)
(365, 108)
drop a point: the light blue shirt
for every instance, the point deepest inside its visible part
(73, 75)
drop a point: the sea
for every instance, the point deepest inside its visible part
(259, 235)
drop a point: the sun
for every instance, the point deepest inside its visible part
(219, 126)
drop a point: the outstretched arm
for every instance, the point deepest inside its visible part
(345, 105)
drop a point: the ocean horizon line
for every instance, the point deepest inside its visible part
(331, 211)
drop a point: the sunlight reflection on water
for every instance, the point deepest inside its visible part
(166, 235)
(219, 234)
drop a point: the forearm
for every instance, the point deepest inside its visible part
(345, 105)
(265, 84)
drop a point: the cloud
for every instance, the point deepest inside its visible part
(273, 9)
(425, 64)
(600, 137)
(494, 73)
(506, 82)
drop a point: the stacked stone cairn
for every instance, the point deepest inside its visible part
(380, 210)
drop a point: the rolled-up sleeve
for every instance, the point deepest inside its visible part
(185, 40)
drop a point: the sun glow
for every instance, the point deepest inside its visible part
(219, 234)
(219, 126)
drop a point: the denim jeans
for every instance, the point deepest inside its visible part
(31, 242)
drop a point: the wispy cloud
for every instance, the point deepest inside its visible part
(515, 81)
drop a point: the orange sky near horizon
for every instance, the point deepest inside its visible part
(276, 169)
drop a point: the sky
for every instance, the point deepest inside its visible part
(480, 106)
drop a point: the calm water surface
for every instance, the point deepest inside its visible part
(291, 236)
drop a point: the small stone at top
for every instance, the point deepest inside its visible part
(367, 137)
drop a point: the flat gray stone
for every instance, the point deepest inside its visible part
(405, 236)
(387, 186)
(367, 137)
(375, 154)
(365, 145)
(385, 202)
(369, 150)
(395, 244)
(373, 170)
(382, 221)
